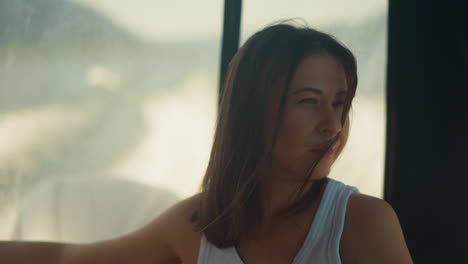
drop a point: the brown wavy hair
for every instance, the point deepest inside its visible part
(231, 191)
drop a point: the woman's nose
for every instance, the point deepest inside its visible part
(330, 125)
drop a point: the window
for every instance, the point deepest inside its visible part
(107, 112)
(107, 108)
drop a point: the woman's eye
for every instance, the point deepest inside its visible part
(308, 101)
(339, 103)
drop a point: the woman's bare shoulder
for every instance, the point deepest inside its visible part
(179, 214)
(169, 238)
(180, 231)
(365, 205)
(372, 232)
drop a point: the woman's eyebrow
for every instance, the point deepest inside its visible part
(308, 89)
(342, 92)
(316, 91)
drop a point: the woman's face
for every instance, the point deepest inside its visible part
(312, 118)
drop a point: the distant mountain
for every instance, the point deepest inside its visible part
(45, 22)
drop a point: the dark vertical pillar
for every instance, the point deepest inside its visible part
(426, 178)
(231, 32)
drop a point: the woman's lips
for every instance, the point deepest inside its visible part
(330, 151)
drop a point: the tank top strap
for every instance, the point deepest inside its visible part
(328, 225)
(210, 254)
(203, 252)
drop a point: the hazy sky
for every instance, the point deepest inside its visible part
(188, 19)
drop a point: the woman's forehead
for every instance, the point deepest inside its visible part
(322, 72)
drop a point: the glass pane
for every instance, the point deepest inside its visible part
(362, 26)
(107, 111)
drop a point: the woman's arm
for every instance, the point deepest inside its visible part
(373, 233)
(30, 252)
(156, 243)
(151, 244)
(144, 246)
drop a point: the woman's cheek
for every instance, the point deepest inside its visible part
(295, 128)
(344, 136)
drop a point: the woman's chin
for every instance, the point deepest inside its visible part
(318, 173)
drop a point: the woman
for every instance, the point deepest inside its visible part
(265, 197)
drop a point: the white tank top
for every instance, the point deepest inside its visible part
(320, 246)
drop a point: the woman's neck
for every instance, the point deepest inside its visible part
(281, 190)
